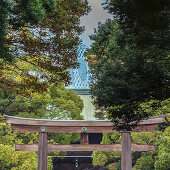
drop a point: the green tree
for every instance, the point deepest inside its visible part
(65, 104)
(147, 23)
(43, 34)
(144, 162)
(18, 13)
(129, 59)
(163, 156)
(56, 103)
(108, 158)
(126, 76)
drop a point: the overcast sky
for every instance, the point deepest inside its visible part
(91, 20)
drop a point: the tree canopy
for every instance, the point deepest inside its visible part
(129, 63)
(55, 103)
(38, 44)
(147, 22)
(44, 35)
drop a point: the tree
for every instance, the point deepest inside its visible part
(18, 13)
(39, 40)
(163, 157)
(65, 104)
(126, 76)
(147, 22)
(55, 103)
(43, 34)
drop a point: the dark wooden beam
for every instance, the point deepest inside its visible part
(142, 147)
(71, 129)
(85, 147)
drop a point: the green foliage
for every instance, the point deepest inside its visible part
(5, 7)
(33, 105)
(144, 162)
(130, 59)
(105, 158)
(147, 23)
(17, 13)
(32, 12)
(163, 157)
(42, 34)
(53, 102)
(100, 158)
(57, 103)
(16, 160)
(157, 159)
(65, 104)
(126, 75)
(10, 159)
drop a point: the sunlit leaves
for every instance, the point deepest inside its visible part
(44, 35)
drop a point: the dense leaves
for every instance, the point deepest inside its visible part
(126, 76)
(146, 21)
(43, 34)
(56, 103)
(17, 13)
(65, 104)
(157, 159)
(131, 66)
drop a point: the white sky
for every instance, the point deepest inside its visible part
(91, 20)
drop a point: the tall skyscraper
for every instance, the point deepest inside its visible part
(80, 83)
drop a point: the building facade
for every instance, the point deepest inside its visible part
(80, 83)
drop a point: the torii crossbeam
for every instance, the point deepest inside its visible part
(84, 127)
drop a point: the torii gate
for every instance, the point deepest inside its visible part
(84, 127)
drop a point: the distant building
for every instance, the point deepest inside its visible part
(80, 83)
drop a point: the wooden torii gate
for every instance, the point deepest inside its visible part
(84, 127)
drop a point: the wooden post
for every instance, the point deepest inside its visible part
(126, 157)
(42, 151)
(84, 139)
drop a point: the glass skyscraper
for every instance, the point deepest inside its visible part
(80, 83)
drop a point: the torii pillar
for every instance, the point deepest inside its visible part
(126, 156)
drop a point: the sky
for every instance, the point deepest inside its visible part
(90, 21)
